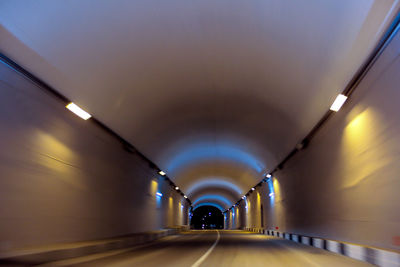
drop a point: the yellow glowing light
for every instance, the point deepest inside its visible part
(277, 189)
(78, 111)
(153, 187)
(338, 103)
(364, 151)
(170, 211)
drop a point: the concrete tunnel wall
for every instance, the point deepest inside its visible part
(64, 179)
(344, 186)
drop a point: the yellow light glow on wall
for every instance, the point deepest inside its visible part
(258, 211)
(153, 187)
(170, 211)
(277, 189)
(58, 157)
(78, 111)
(362, 153)
(237, 222)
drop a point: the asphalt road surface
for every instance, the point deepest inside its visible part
(216, 248)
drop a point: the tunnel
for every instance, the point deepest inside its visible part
(199, 133)
(207, 216)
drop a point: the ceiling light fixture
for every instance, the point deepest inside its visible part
(78, 111)
(338, 103)
(161, 173)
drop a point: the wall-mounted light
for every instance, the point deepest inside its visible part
(176, 188)
(78, 111)
(252, 189)
(159, 194)
(269, 175)
(161, 173)
(338, 103)
(185, 196)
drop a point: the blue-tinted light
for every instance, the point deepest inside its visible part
(271, 191)
(208, 204)
(214, 182)
(218, 198)
(210, 151)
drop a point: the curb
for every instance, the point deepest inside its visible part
(376, 256)
(72, 250)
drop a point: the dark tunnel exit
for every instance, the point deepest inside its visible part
(207, 217)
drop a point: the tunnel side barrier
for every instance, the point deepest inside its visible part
(255, 230)
(371, 255)
(57, 252)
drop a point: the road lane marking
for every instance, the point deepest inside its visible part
(204, 257)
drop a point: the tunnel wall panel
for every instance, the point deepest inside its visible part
(64, 179)
(345, 185)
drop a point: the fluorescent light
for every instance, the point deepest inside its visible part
(78, 111)
(339, 101)
(252, 189)
(269, 175)
(162, 173)
(159, 194)
(176, 188)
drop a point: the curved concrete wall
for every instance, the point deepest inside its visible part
(345, 185)
(64, 179)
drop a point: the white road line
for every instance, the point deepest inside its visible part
(204, 257)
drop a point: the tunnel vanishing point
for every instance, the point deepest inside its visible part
(200, 133)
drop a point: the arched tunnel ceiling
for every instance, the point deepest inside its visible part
(214, 92)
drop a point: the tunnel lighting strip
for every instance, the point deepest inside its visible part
(78, 111)
(347, 92)
(67, 102)
(338, 103)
